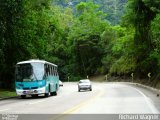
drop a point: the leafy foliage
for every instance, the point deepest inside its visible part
(113, 8)
(143, 11)
(83, 37)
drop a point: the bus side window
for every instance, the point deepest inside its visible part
(55, 71)
(51, 70)
(47, 70)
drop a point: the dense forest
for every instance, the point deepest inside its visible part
(83, 37)
(113, 8)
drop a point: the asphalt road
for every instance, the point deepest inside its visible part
(106, 98)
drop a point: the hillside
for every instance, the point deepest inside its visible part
(113, 8)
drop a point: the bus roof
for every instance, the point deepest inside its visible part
(33, 60)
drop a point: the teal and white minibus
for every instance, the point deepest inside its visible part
(35, 77)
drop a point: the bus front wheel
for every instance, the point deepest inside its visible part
(51, 93)
(46, 94)
(55, 92)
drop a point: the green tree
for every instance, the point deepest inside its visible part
(140, 13)
(118, 46)
(85, 37)
(24, 31)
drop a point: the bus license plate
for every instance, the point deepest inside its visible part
(29, 92)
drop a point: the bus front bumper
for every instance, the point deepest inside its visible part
(31, 92)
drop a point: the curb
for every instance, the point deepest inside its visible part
(5, 98)
(148, 87)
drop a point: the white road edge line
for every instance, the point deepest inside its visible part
(4, 110)
(153, 109)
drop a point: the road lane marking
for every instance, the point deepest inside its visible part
(4, 110)
(31, 103)
(152, 108)
(73, 109)
(78, 106)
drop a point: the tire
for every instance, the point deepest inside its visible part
(51, 93)
(46, 94)
(55, 93)
(90, 88)
(23, 96)
(79, 90)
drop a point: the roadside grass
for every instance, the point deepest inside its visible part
(7, 93)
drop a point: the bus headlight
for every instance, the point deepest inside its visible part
(41, 90)
(35, 91)
(19, 92)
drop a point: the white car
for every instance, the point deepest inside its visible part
(60, 83)
(84, 84)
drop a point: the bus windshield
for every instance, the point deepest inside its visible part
(29, 72)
